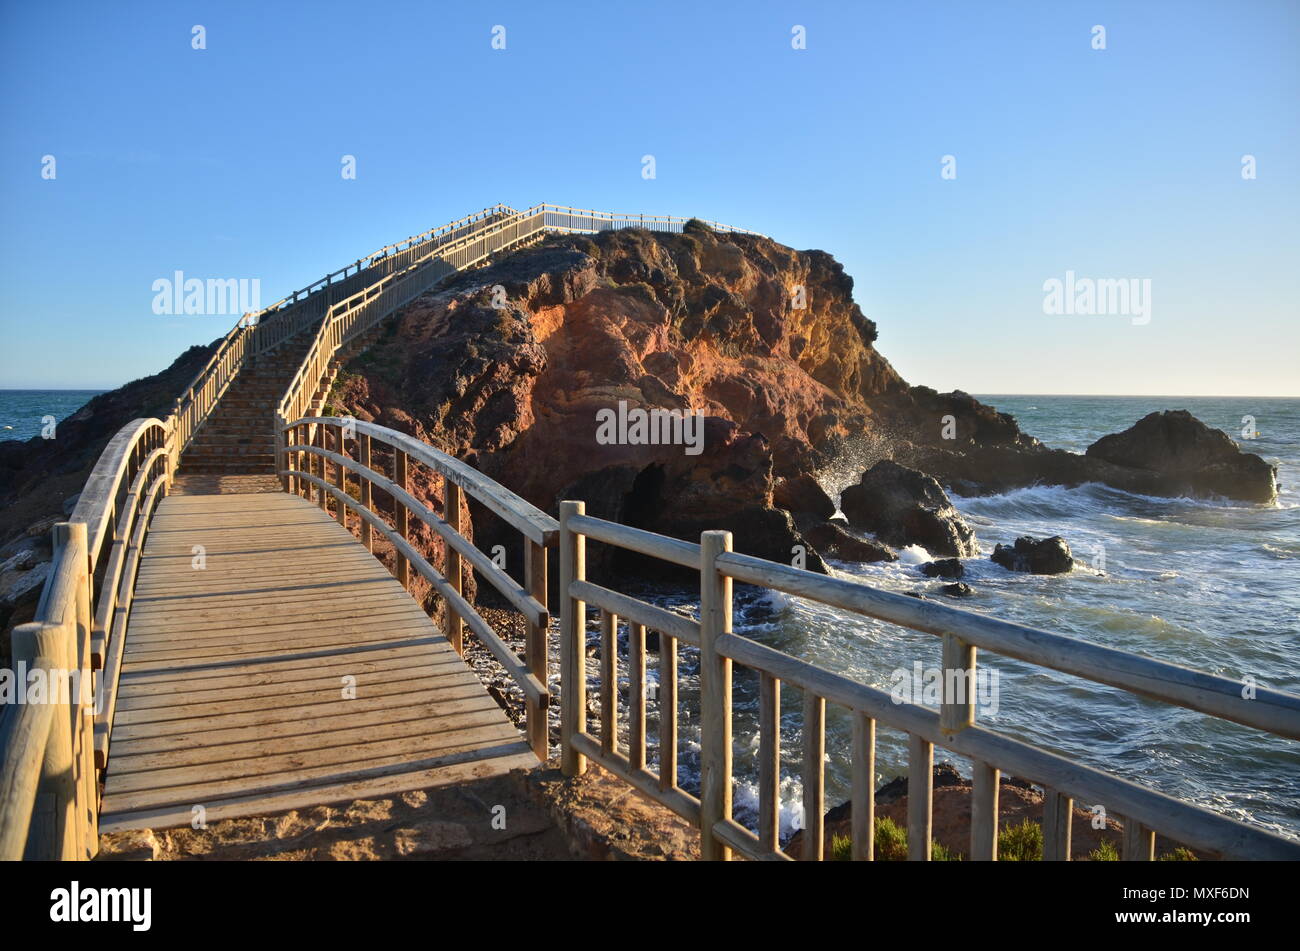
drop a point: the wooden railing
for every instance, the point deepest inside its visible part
(53, 747)
(359, 295)
(336, 462)
(51, 751)
(1141, 811)
(257, 332)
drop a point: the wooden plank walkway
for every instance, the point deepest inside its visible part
(232, 688)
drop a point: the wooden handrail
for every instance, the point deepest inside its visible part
(307, 461)
(1141, 810)
(1271, 710)
(78, 628)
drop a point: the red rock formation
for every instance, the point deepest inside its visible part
(691, 322)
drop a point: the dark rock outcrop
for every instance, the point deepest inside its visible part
(834, 541)
(803, 495)
(1167, 454)
(959, 589)
(1188, 458)
(943, 568)
(1047, 556)
(901, 506)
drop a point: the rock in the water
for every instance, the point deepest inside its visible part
(943, 568)
(901, 507)
(1190, 457)
(1047, 556)
(832, 540)
(959, 589)
(803, 495)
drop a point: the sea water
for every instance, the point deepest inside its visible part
(1208, 584)
(23, 412)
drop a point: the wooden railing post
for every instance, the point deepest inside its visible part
(957, 710)
(320, 461)
(400, 517)
(453, 496)
(281, 452)
(920, 797)
(363, 457)
(53, 831)
(76, 541)
(535, 647)
(1057, 811)
(573, 641)
(341, 477)
(715, 696)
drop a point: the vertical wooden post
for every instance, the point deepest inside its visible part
(863, 809)
(1057, 810)
(636, 695)
(535, 648)
(455, 625)
(715, 696)
(281, 452)
(53, 832)
(288, 438)
(957, 710)
(1138, 843)
(400, 517)
(984, 812)
(814, 777)
(573, 641)
(363, 457)
(920, 793)
(83, 702)
(608, 682)
(341, 478)
(320, 490)
(667, 702)
(769, 761)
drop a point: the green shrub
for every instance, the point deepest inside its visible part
(891, 845)
(891, 840)
(1104, 853)
(1021, 843)
(1179, 854)
(841, 848)
(939, 853)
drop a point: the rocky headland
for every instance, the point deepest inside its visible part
(511, 366)
(759, 350)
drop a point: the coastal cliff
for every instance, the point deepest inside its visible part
(511, 367)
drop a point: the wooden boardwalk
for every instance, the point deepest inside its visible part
(235, 680)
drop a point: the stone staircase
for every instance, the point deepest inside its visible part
(239, 436)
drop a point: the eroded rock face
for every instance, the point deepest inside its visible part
(1046, 556)
(1188, 457)
(691, 322)
(901, 507)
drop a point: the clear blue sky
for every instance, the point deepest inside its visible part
(1119, 163)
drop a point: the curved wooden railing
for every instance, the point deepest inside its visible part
(257, 332)
(49, 787)
(322, 468)
(1141, 811)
